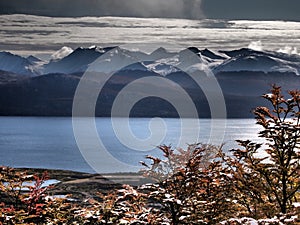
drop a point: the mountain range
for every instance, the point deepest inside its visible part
(32, 87)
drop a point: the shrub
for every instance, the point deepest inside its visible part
(269, 185)
(192, 186)
(189, 187)
(30, 204)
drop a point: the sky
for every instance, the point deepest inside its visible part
(68, 29)
(191, 9)
(27, 34)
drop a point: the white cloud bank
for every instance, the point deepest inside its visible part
(61, 53)
(44, 35)
(256, 45)
(289, 50)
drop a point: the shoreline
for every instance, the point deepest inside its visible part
(81, 186)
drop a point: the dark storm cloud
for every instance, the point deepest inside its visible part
(218, 9)
(134, 8)
(252, 9)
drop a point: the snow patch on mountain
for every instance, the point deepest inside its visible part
(113, 60)
(161, 67)
(138, 66)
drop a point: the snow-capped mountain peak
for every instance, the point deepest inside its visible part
(160, 61)
(251, 60)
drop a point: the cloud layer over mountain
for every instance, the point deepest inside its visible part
(27, 34)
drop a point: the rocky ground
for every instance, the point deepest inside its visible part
(82, 186)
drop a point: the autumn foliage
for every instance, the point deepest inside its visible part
(267, 175)
(258, 183)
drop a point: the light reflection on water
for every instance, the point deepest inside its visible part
(48, 142)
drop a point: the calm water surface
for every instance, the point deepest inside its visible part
(49, 142)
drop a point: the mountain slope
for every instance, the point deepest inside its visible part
(257, 62)
(16, 64)
(77, 61)
(243, 76)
